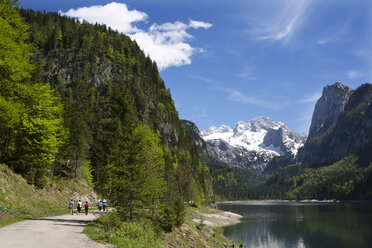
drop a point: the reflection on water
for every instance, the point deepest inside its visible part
(289, 224)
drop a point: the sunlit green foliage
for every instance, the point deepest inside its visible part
(39, 133)
(14, 52)
(110, 228)
(31, 115)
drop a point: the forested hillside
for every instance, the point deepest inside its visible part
(108, 86)
(80, 100)
(343, 180)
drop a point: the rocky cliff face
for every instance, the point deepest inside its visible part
(205, 151)
(252, 145)
(328, 108)
(347, 129)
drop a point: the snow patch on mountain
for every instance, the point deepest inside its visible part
(253, 144)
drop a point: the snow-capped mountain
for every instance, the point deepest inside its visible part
(252, 145)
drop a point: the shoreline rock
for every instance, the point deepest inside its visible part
(218, 219)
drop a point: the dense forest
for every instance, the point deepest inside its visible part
(343, 180)
(83, 101)
(346, 179)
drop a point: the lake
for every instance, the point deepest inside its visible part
(295, 224)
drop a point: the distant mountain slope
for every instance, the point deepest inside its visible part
(252, 145)
(342, 180)
(346, 128)
(228, 182)
(204, 148)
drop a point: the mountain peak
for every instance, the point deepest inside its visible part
(253, 143)
(264, 122)
(329, 107)
(213, 130)
(256, 124)
(341, 124)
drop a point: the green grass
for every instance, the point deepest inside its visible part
(20, 201)
(109, 228)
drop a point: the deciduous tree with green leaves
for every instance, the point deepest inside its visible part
(14, 51)
(31, 116)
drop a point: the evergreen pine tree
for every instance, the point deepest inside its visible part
(78, 115)
(140, 180)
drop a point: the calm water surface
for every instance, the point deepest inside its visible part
(310, 225)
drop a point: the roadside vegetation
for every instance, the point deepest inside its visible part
(132, 234)
(20, 200)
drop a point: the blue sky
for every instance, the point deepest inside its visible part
(226, 61)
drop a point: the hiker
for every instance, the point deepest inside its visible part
(71, 207)
(78, 207)
(100, 205)
(104, 204)
(86, 205)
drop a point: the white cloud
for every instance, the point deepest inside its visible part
(202, 50)
(166, 43)
(164, 50)
(207, 80)
(237, 96)
(278, 20)
(304, 120)
(202, 112)
(115, 15)
(311, 98)
(354, 74)
(336, 34)
(246, 73)
(323, 41)
(199, 24)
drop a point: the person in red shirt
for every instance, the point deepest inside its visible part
(86, 205)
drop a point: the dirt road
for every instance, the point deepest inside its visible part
(59, 231)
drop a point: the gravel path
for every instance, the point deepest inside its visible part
(59, 231)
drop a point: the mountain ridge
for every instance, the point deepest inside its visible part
(347, 128)
(253, 144)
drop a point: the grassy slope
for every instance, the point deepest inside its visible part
(19, 200)
(128, 235)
